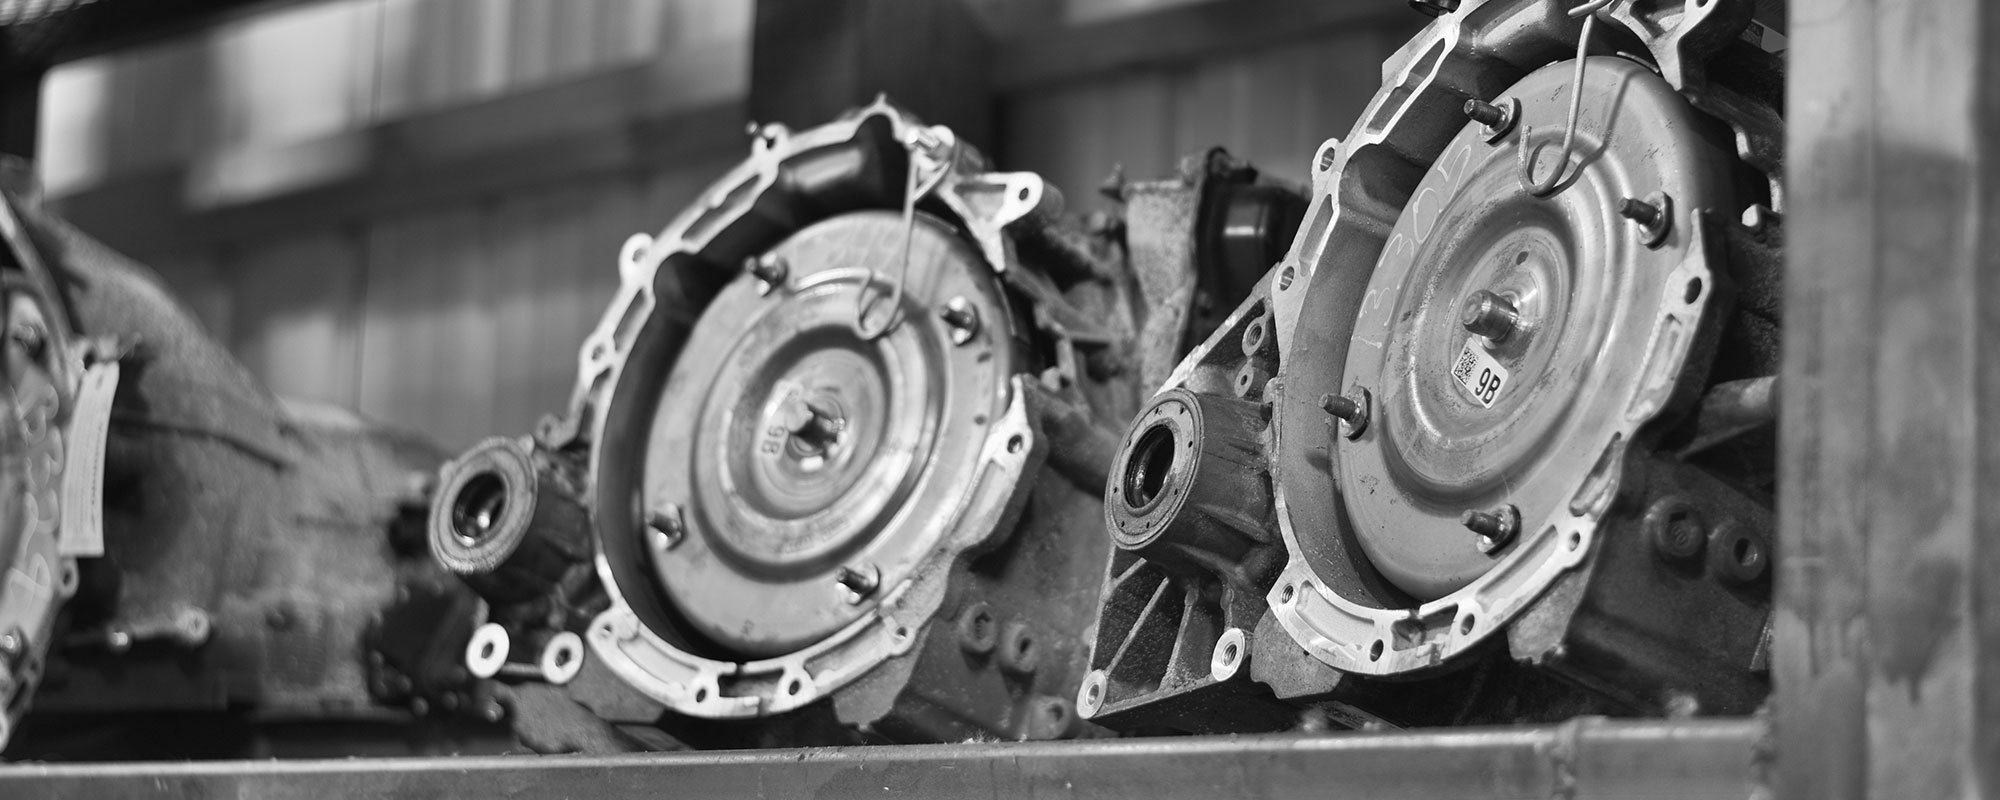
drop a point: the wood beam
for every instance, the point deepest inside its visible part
(1887, 646)
(608, 123)
(812, 59)
(1185, 33)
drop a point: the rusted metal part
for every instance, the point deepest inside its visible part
(1888, 627)
(1590, 758)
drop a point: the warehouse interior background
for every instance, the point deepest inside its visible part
(413, 207)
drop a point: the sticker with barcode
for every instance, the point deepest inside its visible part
(1481, 376)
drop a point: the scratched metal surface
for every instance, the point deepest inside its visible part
(1589, 758)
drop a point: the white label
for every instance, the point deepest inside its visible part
(83, 465)
(1481, 376)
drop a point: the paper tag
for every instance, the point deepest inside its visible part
(82, 533)
(1481, 376)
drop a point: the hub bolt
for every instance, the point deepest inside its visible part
(668, 527)
(963, 317)
(1654, 215)
(1489, 315)
(814, 430)
(1497, 117)
(860, 582)
(1495, 528)
(1485, 113)
(1351, 412)
(769, 268)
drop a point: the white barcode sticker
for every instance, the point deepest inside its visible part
(1481, 376)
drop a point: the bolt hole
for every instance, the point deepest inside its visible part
(1375, 651)
(475, 512)
(1289, 591)
(1465, 625)
(1023, 648)
(1285, 279)
(1521, 257)
(794, 687)
(1096, 692)
(1575, 540)
(1229, 653)
(563, 657)
(486, 650)
(1743, 551)
(1024, 193)
(902, 633)
(1326, 159)
(1146, 471)
(1014, 444)
(701, 695)
(1693, 291)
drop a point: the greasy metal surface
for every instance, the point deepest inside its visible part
(36, 573)
(1363, 186)
(1576, 761)
(247, 541)
(772, 518)
(1606, 327)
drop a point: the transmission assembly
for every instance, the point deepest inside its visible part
(182, 551)
(837, 450)
(1493, 441)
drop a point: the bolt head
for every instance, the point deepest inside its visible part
(962, 317)
(1489, 315)
(859, 581)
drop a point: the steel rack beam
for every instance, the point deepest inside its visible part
(1586, 758)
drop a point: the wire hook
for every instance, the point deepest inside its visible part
(914, 187)
(1530, 154)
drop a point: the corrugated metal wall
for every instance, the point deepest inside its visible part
(463, 320)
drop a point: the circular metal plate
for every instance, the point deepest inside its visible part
(801, 450)
(1478, 422)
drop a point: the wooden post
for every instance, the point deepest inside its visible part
(1888, 630)
(812, 59)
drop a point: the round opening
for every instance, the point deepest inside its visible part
(1286, 595)
(794, 687)
(1229, 653)
(1693, 290)
(1521, 257)
(1023, 648)
(563, 656)
(486, 650)
(1253, 336)
(1575, 540)
(1146, 471)
(1465, 625)
(701, 695)
(1024, 193)
(1096, 692)
(1014, 444)
(1742, 551)
(475, 513)
(982, 626)
(1285, 279)
(1375, 651)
